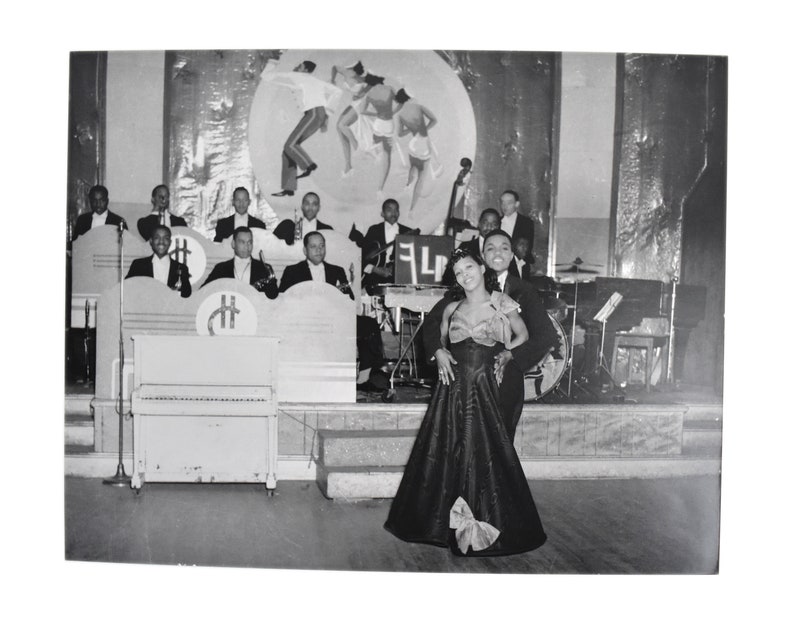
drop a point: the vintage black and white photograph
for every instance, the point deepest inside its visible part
(377, 310)
(373, 312)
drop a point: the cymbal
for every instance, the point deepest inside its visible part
(578, 269)
(578, 262)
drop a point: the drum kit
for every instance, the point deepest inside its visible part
(548, 374)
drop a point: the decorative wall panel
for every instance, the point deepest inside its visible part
(512, 94)
(662, 150)
(86, 129)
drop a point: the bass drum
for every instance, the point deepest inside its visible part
(543, 378)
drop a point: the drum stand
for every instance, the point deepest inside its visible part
(569, 370)
(389, 393)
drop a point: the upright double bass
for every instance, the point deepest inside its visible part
(457, 224)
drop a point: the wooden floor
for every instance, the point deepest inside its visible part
(594, 526)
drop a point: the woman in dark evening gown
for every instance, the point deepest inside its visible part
(463, 486)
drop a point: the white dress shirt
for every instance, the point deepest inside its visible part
(242, 269)
(240, 220)
(502, 277)
(308, 225)
(98, 219)
(317, 271)
(160, 268)
(391, 232)
(165, 221)
(509, 223)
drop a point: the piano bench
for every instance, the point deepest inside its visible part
(634, 340)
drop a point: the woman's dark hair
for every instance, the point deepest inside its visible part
(373, 80)
(491, 279)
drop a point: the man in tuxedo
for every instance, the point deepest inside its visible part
(161, 199)
(497, 254)
(310, 207)
(314, 267)
(379, 267)
(244, 268)
(99, 214)
(160, 266)
(515, 224)
(241, 218)
(368, 339)
(520, 266)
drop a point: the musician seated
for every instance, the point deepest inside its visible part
(245, 269)
(490, 220)
(314, 267)
(161, 199)
(377, 246)
(241, 218)
(520, 266)
(160, 266)
(99, 214)
(310, 207)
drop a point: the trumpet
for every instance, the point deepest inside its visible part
(260, 284)
(298, 228)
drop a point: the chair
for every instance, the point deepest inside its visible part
(638, 341)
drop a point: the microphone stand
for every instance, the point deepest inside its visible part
(573, 331)
(120, 478)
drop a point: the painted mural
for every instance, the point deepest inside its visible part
(358, 127)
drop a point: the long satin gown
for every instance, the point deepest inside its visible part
(463, 486)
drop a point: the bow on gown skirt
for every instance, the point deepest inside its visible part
(463, 486)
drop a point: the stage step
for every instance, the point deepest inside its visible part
(77, 404)
(365, 448)
(358, 482)
(702, 438)
(703, 413)
(79, 431)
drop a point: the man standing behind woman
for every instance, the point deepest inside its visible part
(463, 486)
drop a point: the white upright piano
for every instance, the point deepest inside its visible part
(205, 410)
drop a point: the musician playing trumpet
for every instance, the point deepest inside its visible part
(160, 266)
(242, 267)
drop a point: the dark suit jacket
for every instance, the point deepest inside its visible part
(299, 272)
(542, 335)
(525, 227)
(512, 269)
(176, 271)
(83, 223)
(225, 226)
(374, 239)
(147, 224)
(285, 230)
(225, 269)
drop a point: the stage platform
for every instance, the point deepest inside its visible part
(358, 450)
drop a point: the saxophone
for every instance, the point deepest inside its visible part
(298, 228)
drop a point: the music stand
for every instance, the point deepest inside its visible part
(575, 268)
(603, 314)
